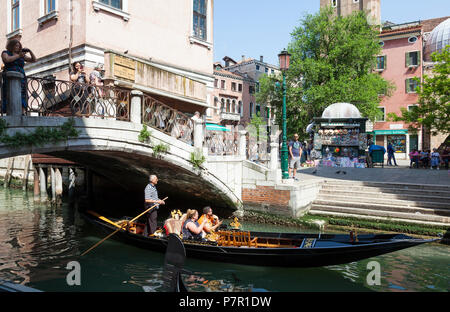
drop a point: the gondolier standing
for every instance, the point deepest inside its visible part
(151, 198)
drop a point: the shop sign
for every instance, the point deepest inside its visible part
(390, 132)
(340, 124)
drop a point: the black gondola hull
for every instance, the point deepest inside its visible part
(336, 249)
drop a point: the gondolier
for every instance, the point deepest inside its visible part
(151, 198)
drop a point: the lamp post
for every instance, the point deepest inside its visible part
(284, 58)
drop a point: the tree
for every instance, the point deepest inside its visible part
(332, 61)
(433, 111)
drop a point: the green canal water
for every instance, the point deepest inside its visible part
(37, 242)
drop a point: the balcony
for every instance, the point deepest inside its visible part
(226, 116)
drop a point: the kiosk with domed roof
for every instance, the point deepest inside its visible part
(340, 138)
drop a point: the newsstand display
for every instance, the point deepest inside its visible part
(340, 143)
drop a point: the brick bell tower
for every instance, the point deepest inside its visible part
(347, 7)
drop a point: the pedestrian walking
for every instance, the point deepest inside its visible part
(391, 155)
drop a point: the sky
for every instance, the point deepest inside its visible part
(262, 27)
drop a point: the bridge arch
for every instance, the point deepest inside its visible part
(111, 149)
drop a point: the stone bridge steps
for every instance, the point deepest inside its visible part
(388, 201)
(388, 196)
(381, 202)
(388, 190)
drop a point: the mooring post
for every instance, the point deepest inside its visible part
(43, 184)
(59, 186)
(36, 185)
(8, 174)
(72, 180)
(53, 182)
(26, 169)
(14, 93)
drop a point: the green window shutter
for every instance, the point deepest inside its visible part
(407, 85)
(419, 59)
(407, 58)
(385, 61)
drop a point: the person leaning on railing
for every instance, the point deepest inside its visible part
(14, 58)
(80, 79)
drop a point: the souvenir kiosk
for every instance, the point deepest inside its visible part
(340, 138)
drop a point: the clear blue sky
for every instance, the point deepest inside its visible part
(262, 27)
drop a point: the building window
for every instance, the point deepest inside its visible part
(228, 106)
(413, 59)
(200, 19)
(411, 85)
(15, 15)
(251, 89)
(113, 3)
(222, 105)
(233, 86)
(398, 143)
(251, 110)
(355, 1)
(223, 84)
(334, 3)
(216, 83)
(381, 43)
(383, 114)
(240, 87)
(412, 107)
(381, 62)
(257, 67)
(50, 6)
(241, 109)
(233, 107)
(267, 70)
(412, 39)
(258, 110)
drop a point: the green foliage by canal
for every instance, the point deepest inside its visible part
(40, 136)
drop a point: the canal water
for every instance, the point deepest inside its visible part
(37, 242)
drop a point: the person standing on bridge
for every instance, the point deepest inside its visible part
(151, 198)
(14, 58)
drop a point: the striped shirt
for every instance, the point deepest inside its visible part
(151, 193)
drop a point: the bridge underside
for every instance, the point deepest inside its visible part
(120, 179)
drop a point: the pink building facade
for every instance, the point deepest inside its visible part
(400, 62)
(173, 37)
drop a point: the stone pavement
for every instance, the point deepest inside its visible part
(401, 174)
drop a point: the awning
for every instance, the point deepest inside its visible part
(390, 132)
(214, 127)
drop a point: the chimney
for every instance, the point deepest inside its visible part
(261, 59)
(243, 57)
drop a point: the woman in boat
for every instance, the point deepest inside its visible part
(191, 229)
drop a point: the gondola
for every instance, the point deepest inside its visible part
(271, 249)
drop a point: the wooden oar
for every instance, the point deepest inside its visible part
(123, 226)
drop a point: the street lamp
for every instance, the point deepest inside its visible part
(284, 58)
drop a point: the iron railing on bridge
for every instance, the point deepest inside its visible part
(51, 97)
(164, 118)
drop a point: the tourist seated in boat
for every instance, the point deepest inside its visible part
(175, 223)
(212, 221)
(191, 228)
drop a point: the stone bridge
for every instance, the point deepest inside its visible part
(109, 121)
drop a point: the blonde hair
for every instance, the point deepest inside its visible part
(190, 213)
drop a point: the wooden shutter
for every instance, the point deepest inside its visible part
(407, 85)
(418, 58)
(408, 59)
(385, 61)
